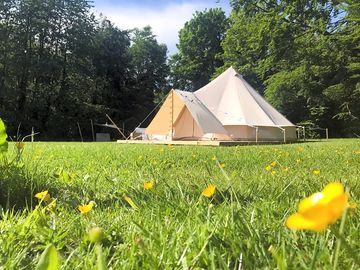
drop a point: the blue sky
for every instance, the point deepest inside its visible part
(165, 17)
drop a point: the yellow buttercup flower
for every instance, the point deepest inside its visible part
(316, 172)
(148, 185)
(85, 208)
(273, 164)
(209, 191)
(273, 172)
(44, 195)
(320, 209)
(222, 165)
(268, 168)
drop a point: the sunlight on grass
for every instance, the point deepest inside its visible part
(177, 206)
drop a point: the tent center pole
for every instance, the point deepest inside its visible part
(193, 128)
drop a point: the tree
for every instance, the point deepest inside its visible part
(289, 51)
(199, 47)
(60, 66)
(149, 69)
(111, 60)
(345, 90)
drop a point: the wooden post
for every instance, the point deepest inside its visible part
(298, 132)
(80, 131)
(32, 134)
(256, 133)
(327, 133)
(304, 133)
(92, 130)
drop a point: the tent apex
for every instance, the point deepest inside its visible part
(234, 71)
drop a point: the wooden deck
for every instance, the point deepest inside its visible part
(208, 143)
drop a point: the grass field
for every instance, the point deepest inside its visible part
(172, 226)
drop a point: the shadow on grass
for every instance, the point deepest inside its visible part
(16, 187)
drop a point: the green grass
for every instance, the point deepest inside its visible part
(174, 227)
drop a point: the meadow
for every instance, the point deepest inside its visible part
(169, 223)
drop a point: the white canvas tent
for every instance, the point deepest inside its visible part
(182, 116)
(227, 108)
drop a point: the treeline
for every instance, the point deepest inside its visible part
(304, 56)
(60, 66)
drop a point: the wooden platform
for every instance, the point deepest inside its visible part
(208, 143)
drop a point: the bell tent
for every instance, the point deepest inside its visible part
(227, 108)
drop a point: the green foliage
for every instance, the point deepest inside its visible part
(3, 137)
(49, 259)
(199, 49)
(60, 66)
(302, 54)
(150, 70)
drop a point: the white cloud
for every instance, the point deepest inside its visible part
(165, 21)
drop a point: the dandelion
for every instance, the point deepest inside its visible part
(316, 172)
(209, 191)
(148, 185)
(43, 195)
(268, 168)
(85, 208)
(320, 209)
